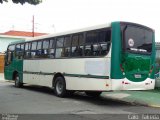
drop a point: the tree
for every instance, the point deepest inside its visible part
(33, 2)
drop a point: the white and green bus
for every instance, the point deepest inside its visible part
(114, 56)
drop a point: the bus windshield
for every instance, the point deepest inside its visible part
(137, 39)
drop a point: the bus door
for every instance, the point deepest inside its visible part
(8, 64)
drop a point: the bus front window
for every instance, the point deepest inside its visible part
(137, 39)
(9, 54)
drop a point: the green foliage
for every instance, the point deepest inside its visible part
(1, 1)
(33, 2)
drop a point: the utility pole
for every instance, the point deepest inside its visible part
(33, 26)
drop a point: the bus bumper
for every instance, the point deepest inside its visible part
(125, 84)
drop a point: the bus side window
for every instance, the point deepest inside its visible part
(52, 48)
(98, 42)
(67, 46)
(27, 50)
(45, 49)
(22, 51)
(81, 44)
(91, 46)
(104, 41)
(103, 49)
(39, 49)
(88, 51)
(18, 51)
(33, 49)
(59, 47)
(77, 45)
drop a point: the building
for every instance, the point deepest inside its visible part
(13, 36)
(5, 40)
(23, 33)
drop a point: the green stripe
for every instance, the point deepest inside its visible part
(38, 73)
(87, 76)
(69, 75)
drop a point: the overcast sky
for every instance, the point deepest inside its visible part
(61, 15)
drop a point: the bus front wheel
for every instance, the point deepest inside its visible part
(60, 87)
(18, 84)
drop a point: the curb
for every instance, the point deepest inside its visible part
(6, 81)
(155, 106)
(132, 102)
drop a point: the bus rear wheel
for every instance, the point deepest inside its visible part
(18, 84)
(60, 87)
(93, 93)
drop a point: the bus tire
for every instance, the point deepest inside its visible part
(60, 87)
(18, 84)
(93, 93)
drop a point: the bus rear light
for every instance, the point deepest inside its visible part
(122, 82)
(126, 83)
(122, 69)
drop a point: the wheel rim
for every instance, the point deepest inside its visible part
(59, 87)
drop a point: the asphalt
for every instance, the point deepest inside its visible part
(146, 98)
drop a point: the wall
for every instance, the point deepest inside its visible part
(1, 63)
(5, 41)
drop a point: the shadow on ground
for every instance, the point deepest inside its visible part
(76, 96)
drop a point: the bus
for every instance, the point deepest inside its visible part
(114, 56)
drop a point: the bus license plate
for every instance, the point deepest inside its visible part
(137, 76)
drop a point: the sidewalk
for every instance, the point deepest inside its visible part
(2, 77)
(147, 98)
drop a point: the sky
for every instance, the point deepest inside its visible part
(53, 16)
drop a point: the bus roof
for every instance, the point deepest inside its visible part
(70, 32)
(74, 31)
(16, 42)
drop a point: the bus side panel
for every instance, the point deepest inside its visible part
(80, 83)
(79, 71)
(8, 72)
(19, 68)
(32, 72)
(14, 66)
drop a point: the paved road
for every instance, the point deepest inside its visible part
(41, 100)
